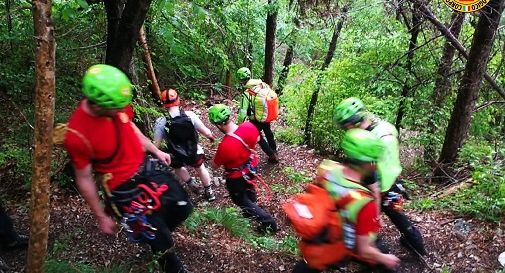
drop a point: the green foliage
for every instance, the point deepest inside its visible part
(298, 179)
(425, 203)
(18, 164)
(485, 198)
(239, 227)
(60, 247)
(200, 41)
(54, 264)
(60, 266)
(356, 70)
(289, 135)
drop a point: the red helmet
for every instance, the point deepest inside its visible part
(170, 98)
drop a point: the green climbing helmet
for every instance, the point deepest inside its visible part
(107, 86)
(219, 114)
(362, 145)
(350, 110)
(244, 73)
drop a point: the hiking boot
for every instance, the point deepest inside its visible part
(273, 158)
(20, 243)
(193, 186)
(209, 194)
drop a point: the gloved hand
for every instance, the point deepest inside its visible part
(399, 188)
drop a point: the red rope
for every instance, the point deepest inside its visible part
(265, 186)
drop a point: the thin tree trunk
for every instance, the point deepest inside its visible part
(228, 78)
(121, 50)
(44, 115)
(271, 27)
(9, 21)
(288, 59)
(151, 75)
(249, 60)
(113, 9)
(327, 60)
(442, 83)
(469, 88)
(455, 42)
(414, 33)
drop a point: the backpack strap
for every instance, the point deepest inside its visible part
(62, 129)
(235, 136)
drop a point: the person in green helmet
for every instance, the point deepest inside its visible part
(388, 189)
(344, 183)
(236, 154)
(247, 111)
(101, 138)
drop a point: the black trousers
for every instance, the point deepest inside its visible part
(7, 233)
(268, 145)
(403, 224)
(175, 208)
(243, 195)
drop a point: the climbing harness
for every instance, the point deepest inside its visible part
(132, 206)
(248, 171)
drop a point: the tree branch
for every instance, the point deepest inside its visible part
(454, 41)
(486, 104)
(101, 44)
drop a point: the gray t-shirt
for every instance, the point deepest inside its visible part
(159, 127)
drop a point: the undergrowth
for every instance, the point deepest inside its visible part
(241, 228)
(55, 264)
(298, 180)
(485, 198)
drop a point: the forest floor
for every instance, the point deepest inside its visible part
(211, 248)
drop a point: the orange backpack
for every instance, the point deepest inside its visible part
(264, 103)
(315, 218)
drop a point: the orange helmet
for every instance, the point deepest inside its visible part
(170, 98)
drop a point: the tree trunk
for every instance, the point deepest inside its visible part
(44, 117)
(9, 21)
(271, 26)
(288, 59)
(151, 75)
(468, 92)
(327, 60)
(249, 60)
(228, 78)
(113, 9)
(442, 83)
(455, 42)
(120, 47)
(414, 33)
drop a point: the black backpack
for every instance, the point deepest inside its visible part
(181, 136)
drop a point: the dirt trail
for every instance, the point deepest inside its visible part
(74, 236)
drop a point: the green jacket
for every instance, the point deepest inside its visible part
(389, 166)
(246, 100)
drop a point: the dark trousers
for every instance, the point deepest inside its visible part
(175, 208)
(7, 233)
(409, 232)
(268, 145)
(243, 195)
